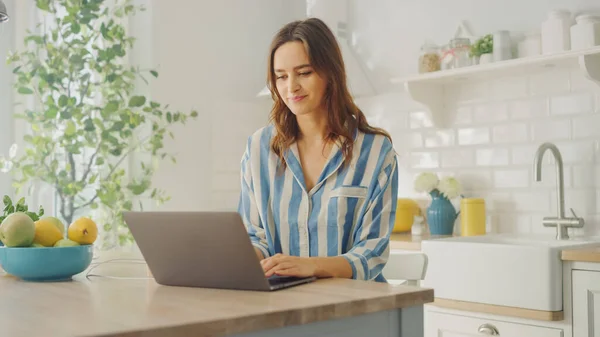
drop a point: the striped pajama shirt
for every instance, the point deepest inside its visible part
(349, 212)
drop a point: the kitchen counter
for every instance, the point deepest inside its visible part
(407, 241)
(589, 254)
(137, 306)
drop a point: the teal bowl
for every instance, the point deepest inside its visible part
(45, 263)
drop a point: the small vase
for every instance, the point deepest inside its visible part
(441, 215)
(486, 58)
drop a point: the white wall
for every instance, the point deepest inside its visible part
(211, 56)
(7, 40)
(490, 146)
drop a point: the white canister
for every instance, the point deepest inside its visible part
(531, 45)
(556, 32)
(502, 46)
(586, 33)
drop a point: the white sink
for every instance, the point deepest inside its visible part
(523, 271)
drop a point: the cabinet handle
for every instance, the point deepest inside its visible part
(488, 329)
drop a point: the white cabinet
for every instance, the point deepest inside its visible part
(449, 325)
(586, 303)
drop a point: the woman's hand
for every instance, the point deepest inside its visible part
(285, 265)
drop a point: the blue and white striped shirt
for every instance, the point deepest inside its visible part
(349, 212)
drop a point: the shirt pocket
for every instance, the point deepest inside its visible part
(346, 202)
(349, 192)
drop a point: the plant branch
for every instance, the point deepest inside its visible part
(90, 163)
(115, 167)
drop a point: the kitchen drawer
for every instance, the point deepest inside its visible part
(450, 325)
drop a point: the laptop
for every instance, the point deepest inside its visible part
(202, 249)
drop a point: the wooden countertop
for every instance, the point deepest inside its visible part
(589, 254)
(407, 241)
(129, 307)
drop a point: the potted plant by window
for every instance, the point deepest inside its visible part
(86, 115)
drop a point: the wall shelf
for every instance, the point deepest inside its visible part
(428, 88)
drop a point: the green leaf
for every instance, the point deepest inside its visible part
(62, 101)
(21, 201)
(25, 91)
(169, 117)
(66, 114)
(154, 73)
(51, 113)
(99, 161)
(111, 107)
(75, 28)
(70, 130)
(137, 101)
(43, 5)
(194, 114)
(7, 201)
(16, 70)
(89, 125)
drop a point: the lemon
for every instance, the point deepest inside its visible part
(83, 231)
(56, 222)
(46, 233)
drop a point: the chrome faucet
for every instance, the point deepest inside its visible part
(560, 221)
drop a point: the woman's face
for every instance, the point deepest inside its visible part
(300, 87)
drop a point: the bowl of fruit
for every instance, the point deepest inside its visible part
(44, 250)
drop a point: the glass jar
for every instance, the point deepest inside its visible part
(460, 50)
(429, 59)
(446, 58)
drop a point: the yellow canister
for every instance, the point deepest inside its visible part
(472, 217)
(405, 211)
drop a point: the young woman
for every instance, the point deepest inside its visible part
(319, 185)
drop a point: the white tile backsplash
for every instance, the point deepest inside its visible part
(425, 160)
(511, 178)
(507, 88)
(572, 104)
(551, 82)
(531, 201)
(528, 108)
(464, 115)
(457, 158)
(473, 136)
(420, 119)
(492, 157)
(489, 146)
(439, 138)
(510, 133)
(554, 129)
(586, 126)
(488, 113)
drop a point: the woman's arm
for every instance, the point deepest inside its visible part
(322, 267)
(371, 235)
(249, 210)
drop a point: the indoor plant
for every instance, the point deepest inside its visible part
(482, 49)
(441, 214)
(87, 116)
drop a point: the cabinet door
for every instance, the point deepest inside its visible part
(586, 303)
(450, 325)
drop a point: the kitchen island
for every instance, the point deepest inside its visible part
(138, 306)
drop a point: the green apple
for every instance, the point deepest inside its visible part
(17, 230)
(66, 243)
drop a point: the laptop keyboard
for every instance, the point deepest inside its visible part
(276, 280)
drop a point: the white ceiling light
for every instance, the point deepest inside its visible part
(3, 12)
